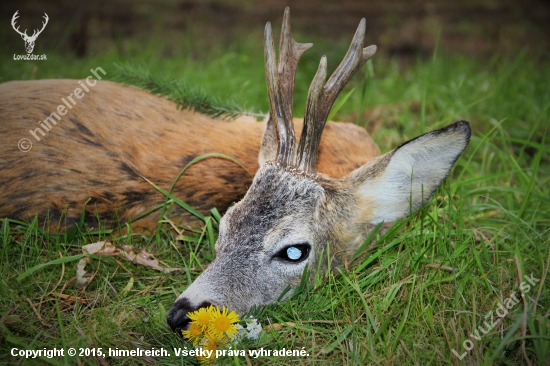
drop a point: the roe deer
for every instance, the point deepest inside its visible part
(290, 211)
(114, 135)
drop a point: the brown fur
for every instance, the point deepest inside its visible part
(115, 134)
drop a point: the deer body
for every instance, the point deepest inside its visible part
(115, 135)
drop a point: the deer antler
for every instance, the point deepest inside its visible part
(24, 34)
(36, 33)
(13, 19)
(320, 98)
(280, 86)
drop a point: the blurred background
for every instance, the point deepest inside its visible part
(400, 28)
(437, 61)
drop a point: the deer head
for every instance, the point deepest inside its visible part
(29, 41)
(290, 213)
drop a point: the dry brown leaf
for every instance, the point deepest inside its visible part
(81, 272)
(103, 248)
(145, 258)
(128, 252)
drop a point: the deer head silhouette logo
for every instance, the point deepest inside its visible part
(29, 40)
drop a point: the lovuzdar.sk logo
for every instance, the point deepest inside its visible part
(29, 40)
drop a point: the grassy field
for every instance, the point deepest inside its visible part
(426, 293)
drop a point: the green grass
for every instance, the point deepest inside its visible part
(411, 298)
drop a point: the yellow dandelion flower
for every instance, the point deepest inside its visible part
(202, 317)
(211, 329)
(211, 344)
(204, 360)
(222, 323)
(194, 334)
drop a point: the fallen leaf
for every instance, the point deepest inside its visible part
(107, 249)
(81, 272)
(145, 258)
(103, 248)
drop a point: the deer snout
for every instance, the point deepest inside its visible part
(177, 318)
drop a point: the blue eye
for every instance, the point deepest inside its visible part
(294, 253)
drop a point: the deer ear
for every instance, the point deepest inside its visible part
(393, 184)
(268, 147)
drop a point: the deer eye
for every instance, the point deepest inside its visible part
(294, 253)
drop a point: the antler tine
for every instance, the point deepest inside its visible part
(46, 18)
(290, 52)
(320, 100)
(353, 60)
(36, 32)
(309, 143)
(13, 20)
(280, 86)
(276, 109)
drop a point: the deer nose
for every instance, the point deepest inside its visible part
(177, 318)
